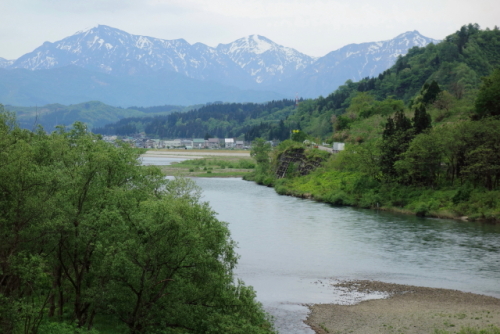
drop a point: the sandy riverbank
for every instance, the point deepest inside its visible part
(409, 309)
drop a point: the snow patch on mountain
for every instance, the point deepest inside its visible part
(264, 60)
(253, 61)
(4, 63)
(352, 62)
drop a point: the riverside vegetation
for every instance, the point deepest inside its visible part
(434, 152)
(92, 242)
(221, 166)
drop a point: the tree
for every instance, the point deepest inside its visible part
(85, 232)
(488, 97)
(430, 92)
(421, 163)
(421, 120)
(396, 137)
(172, 268)
(260, 151)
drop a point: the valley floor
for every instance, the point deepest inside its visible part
(193, 154)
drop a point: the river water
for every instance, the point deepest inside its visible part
(293, 249)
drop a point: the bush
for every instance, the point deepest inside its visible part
(421, 209)
(338, 197)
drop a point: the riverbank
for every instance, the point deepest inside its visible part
(205, 163)
(408, 309)
(338, 188)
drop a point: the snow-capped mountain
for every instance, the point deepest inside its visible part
(4, 63)
(114, 51)
(265, 61)
(354, 62)
(253, 62)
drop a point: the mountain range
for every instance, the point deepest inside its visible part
(119, 68)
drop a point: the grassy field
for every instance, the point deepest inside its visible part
(207, 163)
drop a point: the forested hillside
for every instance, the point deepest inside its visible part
(244, 120)
(92, 113)
(456, 65)
(424, 137)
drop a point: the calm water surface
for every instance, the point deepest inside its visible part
(292, 249)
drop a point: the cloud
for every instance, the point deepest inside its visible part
(314, 27)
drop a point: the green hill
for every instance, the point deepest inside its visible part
(93, 114)
(456, 64)
(422, 138)
(243, 120)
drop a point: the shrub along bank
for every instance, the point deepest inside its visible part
(411, 164)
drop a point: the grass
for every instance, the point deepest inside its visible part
(217, 166)
(470, 330)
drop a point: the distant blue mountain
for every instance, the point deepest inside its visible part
(136, 68)
(352, 62)
(73, 84)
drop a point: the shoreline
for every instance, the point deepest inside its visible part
(407, 309)
(431, 214)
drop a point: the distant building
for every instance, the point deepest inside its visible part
(175, 143)
(229, 142)
(213, 143)
(239, 144)
(337, 147)
(199, 143)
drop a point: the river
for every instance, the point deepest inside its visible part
(293, 249)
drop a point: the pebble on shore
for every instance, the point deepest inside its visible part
(408, 309)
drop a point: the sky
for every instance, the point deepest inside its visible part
(313, 27)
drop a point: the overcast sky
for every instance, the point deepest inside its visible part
(313, 27)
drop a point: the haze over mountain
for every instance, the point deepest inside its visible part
(352, 62)
(122, 62)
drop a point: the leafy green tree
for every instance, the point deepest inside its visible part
(488, 97)
(421, 163)
(421, 120)
(396, 138)
(172, 268)
(86, 233)
(482, 159)
(430, 92)
(298, 136)
(260, 151)
(27, 204)
(361, 103)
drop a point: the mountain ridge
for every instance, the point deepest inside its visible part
(253, 62)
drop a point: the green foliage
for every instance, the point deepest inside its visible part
(488, 97)
(386, 107)
(439, 163)
(242, 120)
(93, 113)
(298, 136)
(430, 92)
(260, 152)
(469, 330)
(89, 234)
(422, 120)
(396, 138)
